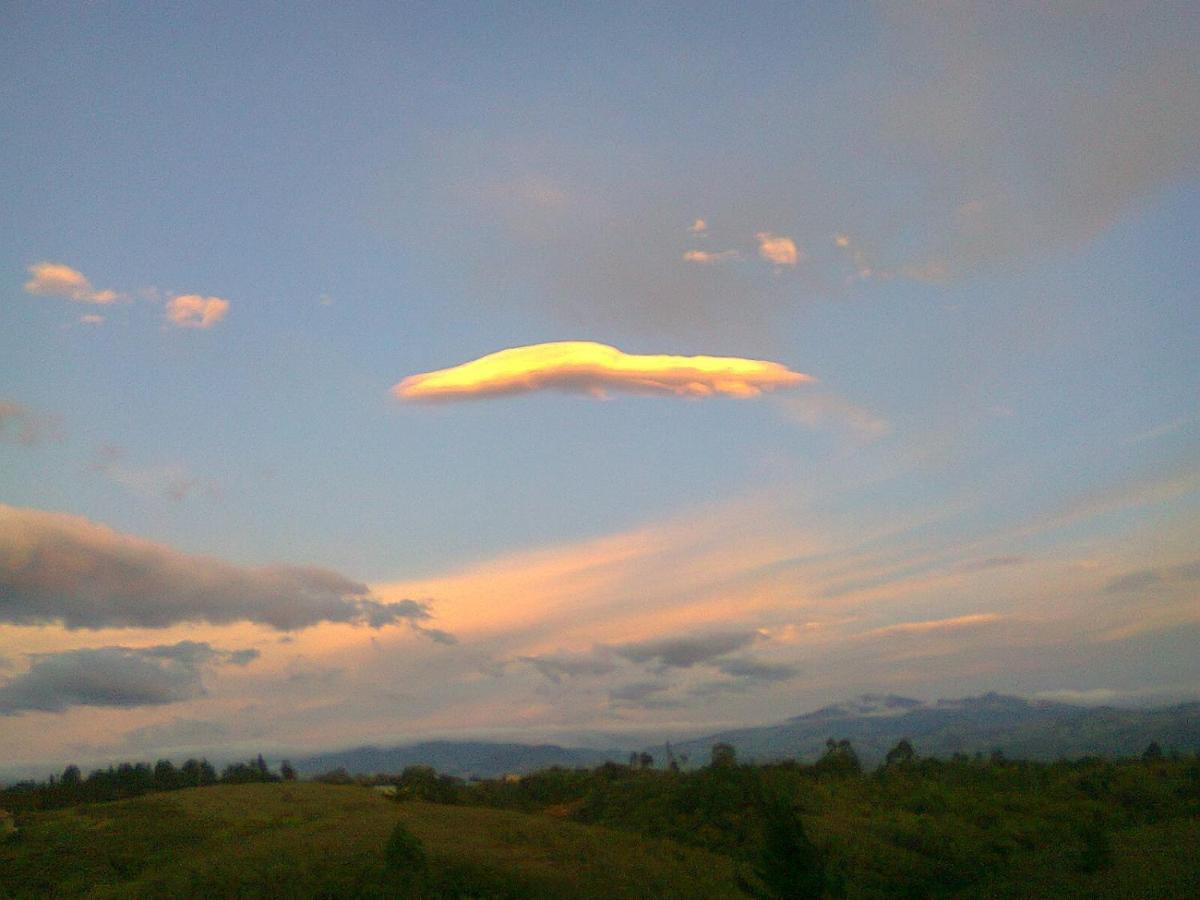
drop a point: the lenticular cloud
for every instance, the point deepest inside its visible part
(595, 369)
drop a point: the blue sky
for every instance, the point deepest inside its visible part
(988, 221)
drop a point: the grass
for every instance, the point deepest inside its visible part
(260, 840)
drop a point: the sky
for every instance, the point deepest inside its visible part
(597, 373)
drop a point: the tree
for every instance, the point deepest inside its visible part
(724, 756)
(71, 777)
(789, 865)
(645, 761)
(839, 759)
(165, 775)
(900, 755)
(286, 770)
(1152, 753)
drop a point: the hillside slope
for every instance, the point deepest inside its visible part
(309, 839)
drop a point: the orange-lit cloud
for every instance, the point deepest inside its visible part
(194, 311)
(698, 227)
(703, 256)
(591, 368)
(50, 279)
(777, 249)
(936, 625)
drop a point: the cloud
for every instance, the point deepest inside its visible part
(1144, 578)
(778, 249)
(172, 482)
(643, 694)
(698, 227)
(176, 733)
(58, 567)
(956, 623)
(1041, 127)
(91, 319)
(929, 272)
(591, 368)
(820, 410)
(115, 677)
(683, 653)
(992, 562)
(50, 279)
(194, 311)
(703, 256)
(556, 666)
(755, 670)
(21, 424)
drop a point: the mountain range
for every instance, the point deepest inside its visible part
(873, 723)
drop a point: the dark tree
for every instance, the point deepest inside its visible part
(1153, 753)
(724, 756)
(165, 775)
(839, 759)
(71, 777)
(789, 865)
(286, 770)
(901, 754)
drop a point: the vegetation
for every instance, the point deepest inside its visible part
(965, 827)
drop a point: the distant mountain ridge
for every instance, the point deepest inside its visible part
(1020, 728)
(873, 723)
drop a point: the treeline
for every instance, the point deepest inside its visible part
(913, 827)
(132, 780)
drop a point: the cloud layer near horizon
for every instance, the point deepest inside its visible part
(115, 677)
(590, 368)
(58, 567)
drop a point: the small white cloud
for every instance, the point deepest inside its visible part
(50, 279)
(194, 311)
(777, 249)
(704, 257)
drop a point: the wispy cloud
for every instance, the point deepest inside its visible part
(556, 666)
(50, 279)
(824, 409)
(1146, 578)
(21, 424)
(685, 652)
(698, 227)
(777, 249)
(594, 369)
(706, 258)
(173, 481)
(194, 311)
(957, 623)
(57, 567)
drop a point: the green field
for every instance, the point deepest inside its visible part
(305, 839)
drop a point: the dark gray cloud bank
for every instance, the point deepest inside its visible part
(116, 677)
(662, 656)
(62, 568)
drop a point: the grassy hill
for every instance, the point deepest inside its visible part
(305, 839)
